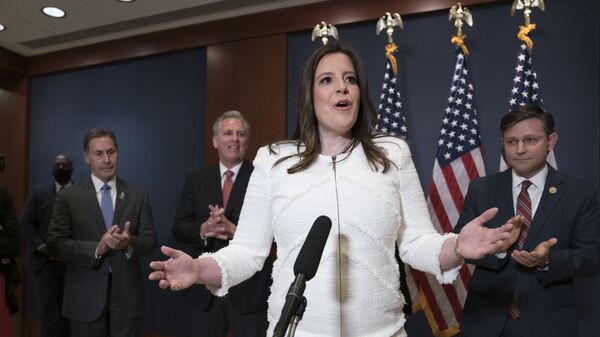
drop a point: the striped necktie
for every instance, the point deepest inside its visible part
(524, 210)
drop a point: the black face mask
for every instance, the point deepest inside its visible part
(62, 175)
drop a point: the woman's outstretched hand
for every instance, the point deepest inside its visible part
(476, 241)
(177, 273)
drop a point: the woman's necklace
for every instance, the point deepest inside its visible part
(345, 150)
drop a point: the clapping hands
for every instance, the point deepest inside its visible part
(217, 225)
(114, 239)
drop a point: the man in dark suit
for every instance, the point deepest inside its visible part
(527, 288)
(100, 228)
(45, 276)
(206, 221)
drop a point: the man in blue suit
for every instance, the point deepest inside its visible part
(527, 288)
(45, 276)
(206, 220)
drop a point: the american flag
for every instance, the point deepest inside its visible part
(525, 90)
(390, 118)
(458, 161)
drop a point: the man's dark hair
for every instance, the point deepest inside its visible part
(523, 112)
(98, 133)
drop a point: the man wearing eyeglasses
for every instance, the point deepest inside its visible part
(527, 288)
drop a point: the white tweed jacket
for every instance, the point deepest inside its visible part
(356, 290)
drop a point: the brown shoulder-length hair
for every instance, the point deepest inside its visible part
(307, 137)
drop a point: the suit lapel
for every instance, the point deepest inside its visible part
(506, 206)
(89, 195)
(548, 203)
(121, 201)
(214, 188)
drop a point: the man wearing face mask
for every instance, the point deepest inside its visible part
(45, 275)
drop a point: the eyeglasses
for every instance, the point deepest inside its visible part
(527, 141)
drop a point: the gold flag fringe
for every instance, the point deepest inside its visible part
(459, 40)
(522, 35)
(390, 49)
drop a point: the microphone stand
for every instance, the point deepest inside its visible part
(297, 317)
(293, 299)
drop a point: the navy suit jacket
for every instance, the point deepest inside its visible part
(75, 229)
(203, 188)
(569, 211)
(35, 219)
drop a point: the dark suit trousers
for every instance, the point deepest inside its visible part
(51, 282)
(222, 315)
(110, 322)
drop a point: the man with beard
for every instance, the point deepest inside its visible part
(46, 276)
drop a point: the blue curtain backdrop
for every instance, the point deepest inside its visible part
(565, 56)
(155, 106)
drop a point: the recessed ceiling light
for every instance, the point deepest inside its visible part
(126, 0)
(54, 12)
(2, 28)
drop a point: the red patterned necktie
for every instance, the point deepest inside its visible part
(227, 186)
(524, 210)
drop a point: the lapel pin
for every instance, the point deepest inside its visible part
(552, 189)
(122, 195)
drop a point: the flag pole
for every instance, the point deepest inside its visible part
(458, 161)
(460, 14)
(388, 22)
(390, 118)
(526, 6)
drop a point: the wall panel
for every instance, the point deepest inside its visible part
(248, 76)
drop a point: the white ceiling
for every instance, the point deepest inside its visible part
(29, 32)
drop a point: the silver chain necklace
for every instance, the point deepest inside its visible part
(345, 149)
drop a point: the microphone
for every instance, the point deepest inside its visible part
(305, 269)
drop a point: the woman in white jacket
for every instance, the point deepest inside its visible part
(367, 184)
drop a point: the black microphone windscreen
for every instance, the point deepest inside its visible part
(310, 253)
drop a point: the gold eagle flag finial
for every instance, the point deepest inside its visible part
(324, 30)
(526, 6)
(460, 14)
(388, 22)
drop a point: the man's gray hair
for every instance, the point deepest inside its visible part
(230, 114)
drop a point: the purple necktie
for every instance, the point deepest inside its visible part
(106, 205)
